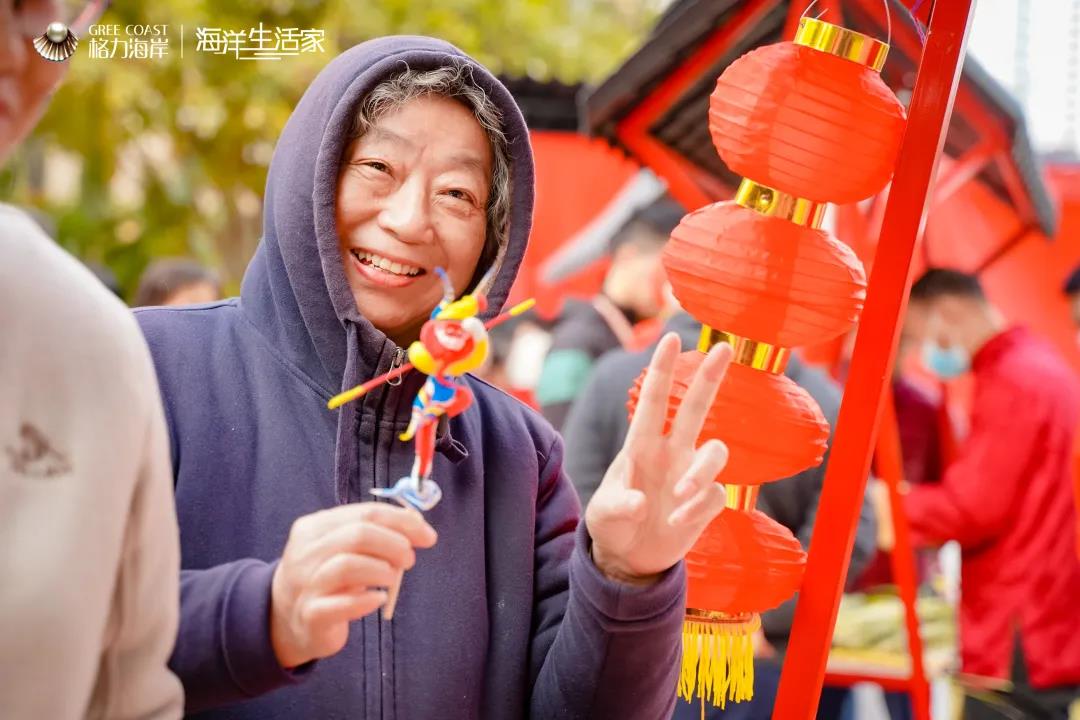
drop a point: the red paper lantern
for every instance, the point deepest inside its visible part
(745, 562)
(807, 122)
(764, 277)
(772, 427)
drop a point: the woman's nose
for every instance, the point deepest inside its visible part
(406, 214)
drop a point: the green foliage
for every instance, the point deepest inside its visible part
(169, 156)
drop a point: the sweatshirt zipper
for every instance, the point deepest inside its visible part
(399, 360)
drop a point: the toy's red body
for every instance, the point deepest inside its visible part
(453, 342)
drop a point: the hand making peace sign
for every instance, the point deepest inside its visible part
(660, 492)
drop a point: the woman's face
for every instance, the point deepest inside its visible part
(412, 196)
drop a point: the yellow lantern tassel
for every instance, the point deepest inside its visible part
(718, 657)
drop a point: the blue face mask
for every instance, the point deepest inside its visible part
(946, 363)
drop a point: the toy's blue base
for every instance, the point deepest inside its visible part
(410, 492)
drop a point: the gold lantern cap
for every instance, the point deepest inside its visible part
(751, 353)
(774, 203)
(841, 42)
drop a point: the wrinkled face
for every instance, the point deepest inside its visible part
(412, 196)
(26, 79)
(636, 279)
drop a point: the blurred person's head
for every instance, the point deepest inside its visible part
(424, 183)
(950, 319)
(107, 277)
(1072, 292)
(176, 281)
(516, 356)
(636, 280)
(525, 359)
(27, 80)
(500, 342)
(905, 346)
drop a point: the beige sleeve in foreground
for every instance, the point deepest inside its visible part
(89, 558)
(133, 680)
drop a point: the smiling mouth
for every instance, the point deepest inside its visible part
(386, 265)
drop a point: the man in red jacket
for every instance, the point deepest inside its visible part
(1072, 293)
(1007, 498)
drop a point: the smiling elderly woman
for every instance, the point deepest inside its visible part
(421, 132)
(405, 155)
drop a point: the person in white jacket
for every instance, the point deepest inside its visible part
(89, 559)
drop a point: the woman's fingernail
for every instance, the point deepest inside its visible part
(713, 368)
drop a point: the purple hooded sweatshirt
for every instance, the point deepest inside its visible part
(506, 617)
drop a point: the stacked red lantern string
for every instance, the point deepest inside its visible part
(806, 123)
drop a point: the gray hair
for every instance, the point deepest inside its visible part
(455, 82)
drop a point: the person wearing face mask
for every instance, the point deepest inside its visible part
(1072, 294)
(1006, 498)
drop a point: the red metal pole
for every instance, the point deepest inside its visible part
(891, 468)
(871, 367)
(796, 8)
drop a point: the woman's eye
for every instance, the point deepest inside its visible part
(459, 195)
(377, 166)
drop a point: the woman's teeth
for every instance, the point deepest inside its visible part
(386, 265)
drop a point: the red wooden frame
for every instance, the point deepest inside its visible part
(889, 467)
(633, 130)
(964, 169)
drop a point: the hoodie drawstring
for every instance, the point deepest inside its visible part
(348, 428)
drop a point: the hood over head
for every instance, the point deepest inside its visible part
(295, 289)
